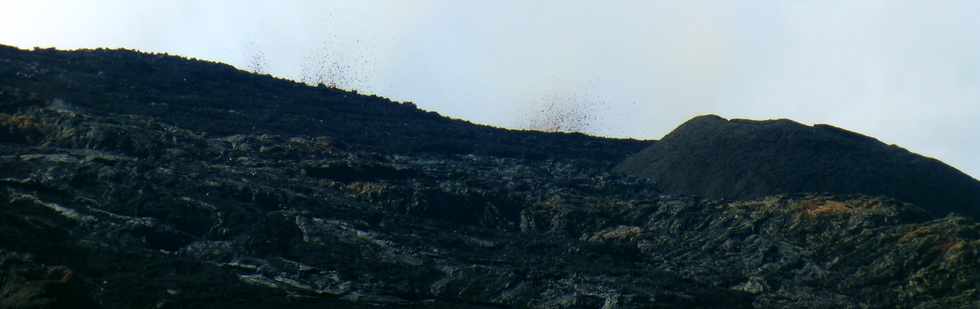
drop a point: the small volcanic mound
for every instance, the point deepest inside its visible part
(741, 159)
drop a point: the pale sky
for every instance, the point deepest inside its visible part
(905, 72)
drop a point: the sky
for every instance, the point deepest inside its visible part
(905, 72)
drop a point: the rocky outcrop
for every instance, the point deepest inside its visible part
(738, 159)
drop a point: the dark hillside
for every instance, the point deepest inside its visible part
(218, 99)
(130, 180)
(737, 159)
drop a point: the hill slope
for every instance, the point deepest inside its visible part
(738, 159)
(116, 193)
(218, 99)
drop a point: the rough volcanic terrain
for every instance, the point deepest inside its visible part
(132, 180)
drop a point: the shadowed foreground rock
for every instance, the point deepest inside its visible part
(122, 208)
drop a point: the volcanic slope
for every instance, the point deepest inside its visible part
(132, 180)
(742, 159)
(217, 99)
